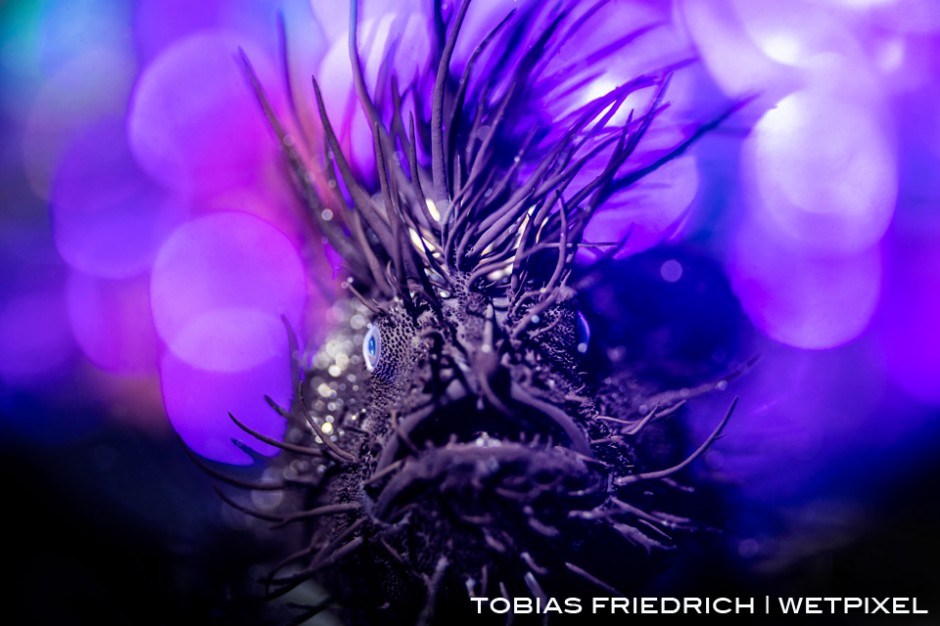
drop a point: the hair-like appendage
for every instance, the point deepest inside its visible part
(447, 433)
(471, 210)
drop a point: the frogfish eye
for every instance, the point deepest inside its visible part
(584, 333)
(372, 347)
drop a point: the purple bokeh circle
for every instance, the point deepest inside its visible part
(198, 403)
(220, 286)
(194, 123)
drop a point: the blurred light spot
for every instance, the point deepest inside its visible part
(793, 32)
(112, 322)
(671, 271)
(230, 339)
(108, 218)
(889, 56)
(93, 84)
(732, 57)
(748, 548)
(654, 44)
(198, 403)
(647, 213)
(782, 47)
(220, 284)
(267, 500)
(194, 123)
(812, 302)
(602, 86)
(824, 171)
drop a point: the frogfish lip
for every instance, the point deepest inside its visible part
(459, 447)
(478, 478)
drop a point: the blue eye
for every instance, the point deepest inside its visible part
(584, 333)
(372, 347)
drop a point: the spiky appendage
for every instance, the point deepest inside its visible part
(446, 441)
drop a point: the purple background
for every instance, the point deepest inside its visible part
(150, 245)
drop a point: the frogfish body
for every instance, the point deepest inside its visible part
(457, 435)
